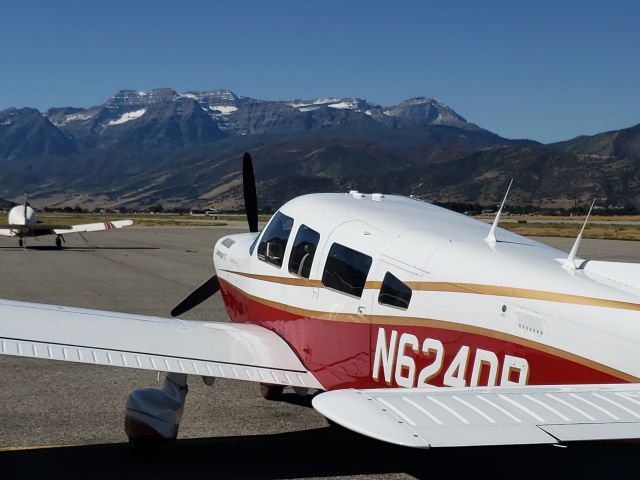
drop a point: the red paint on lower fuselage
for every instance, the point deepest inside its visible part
(340, 354)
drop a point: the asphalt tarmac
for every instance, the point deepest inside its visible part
(228, 430)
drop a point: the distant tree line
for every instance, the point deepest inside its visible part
(477, 209)
(466, 208)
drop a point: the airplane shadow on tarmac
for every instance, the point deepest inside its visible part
(329, 451)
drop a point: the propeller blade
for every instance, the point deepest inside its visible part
(250, 195)
(199, 295)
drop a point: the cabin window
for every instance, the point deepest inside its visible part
(303, 251)
(394, 292)
(346, 270)
(274, 240)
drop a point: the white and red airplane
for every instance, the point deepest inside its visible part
(378, 301)
(22, 223)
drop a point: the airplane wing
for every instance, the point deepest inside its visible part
(93, 227)
(5, 232)
(212, 349)
(619, 274)
(479, 416)
(34, 226)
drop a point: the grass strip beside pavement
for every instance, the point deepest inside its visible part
(571, 230)
(528, 227)
(147, 220)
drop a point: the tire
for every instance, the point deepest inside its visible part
(271, 392)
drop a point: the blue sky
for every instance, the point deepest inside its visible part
(546, 70)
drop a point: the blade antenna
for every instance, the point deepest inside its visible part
(491, 237)
(570, 261)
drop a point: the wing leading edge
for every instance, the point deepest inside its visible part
(446, 417)
(214, 349)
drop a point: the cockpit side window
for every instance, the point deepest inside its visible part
(274, 240)
(394, 292)
(303, 251)
(346, 270)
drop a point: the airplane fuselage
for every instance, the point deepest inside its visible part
(21, 215)
(374, 291)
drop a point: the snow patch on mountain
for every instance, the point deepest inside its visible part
(309, 108)
(223, 109)
(337, 103)
(310, 105)
(74, 117)
(344, 105)
(127, 117)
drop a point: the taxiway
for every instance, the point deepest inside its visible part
(228, 430)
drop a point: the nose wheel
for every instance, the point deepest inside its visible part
(22, 243)
(59, 241)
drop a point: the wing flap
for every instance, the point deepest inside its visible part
(616, 274)
(487, 415)
(587, 432)
(216, 349)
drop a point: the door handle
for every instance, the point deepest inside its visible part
(362, 311)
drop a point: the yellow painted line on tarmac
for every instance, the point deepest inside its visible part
(30, 447)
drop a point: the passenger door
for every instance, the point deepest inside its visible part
(344, 297)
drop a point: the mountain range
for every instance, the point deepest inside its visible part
(140, 148)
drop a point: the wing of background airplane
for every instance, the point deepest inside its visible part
(93, 227)
(211, 349)
(5, 232)
(478, 416)
(35, 226)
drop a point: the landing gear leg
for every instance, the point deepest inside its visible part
(59, 241)
(22, 243)
(154, 415)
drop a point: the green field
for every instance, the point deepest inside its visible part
(526, 225)
(147, 219)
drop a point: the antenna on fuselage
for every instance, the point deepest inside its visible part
(491, 237)
(570, 261)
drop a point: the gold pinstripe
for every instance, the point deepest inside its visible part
(468, 288)
(439, 324)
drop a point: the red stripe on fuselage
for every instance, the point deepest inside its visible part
(340, 353)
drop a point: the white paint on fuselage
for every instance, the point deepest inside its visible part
(442, 246)
(17, 216)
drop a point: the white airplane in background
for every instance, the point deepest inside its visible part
(22, 223)
(378, 301)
